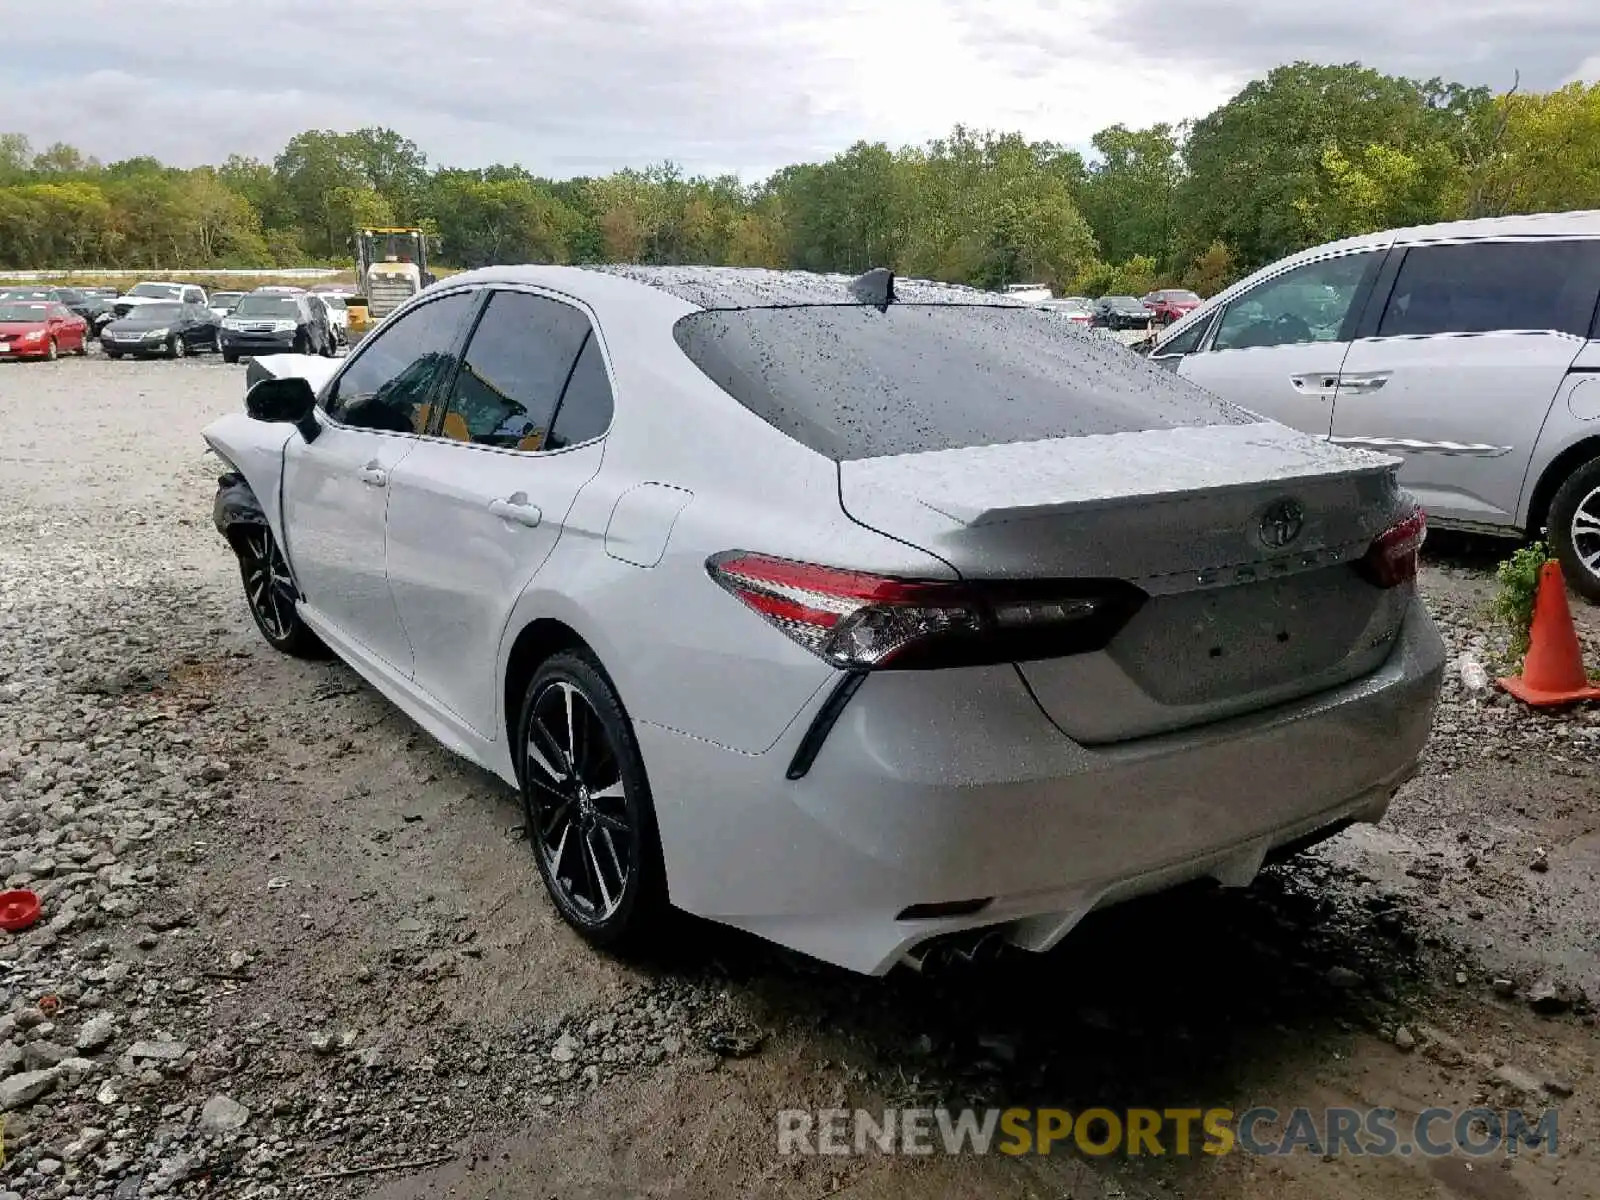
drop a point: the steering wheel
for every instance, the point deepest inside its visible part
(1291, 327)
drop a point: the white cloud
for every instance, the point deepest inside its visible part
(575, 86)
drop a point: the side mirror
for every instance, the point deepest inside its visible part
(284, 401)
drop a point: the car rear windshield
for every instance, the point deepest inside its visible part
(267, 306)
(1179, 297)
(155, 291)
(22, 312)
(157, 312)
(852, 382)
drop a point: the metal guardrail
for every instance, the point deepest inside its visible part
(157, 272)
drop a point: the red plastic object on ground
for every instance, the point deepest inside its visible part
(1552, 673)
(18, 910)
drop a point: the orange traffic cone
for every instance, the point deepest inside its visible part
(1552, 673)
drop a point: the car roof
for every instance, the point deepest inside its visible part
(724, 287)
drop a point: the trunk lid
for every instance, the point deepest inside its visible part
(1242, 536)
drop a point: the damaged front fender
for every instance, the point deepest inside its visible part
(236, 506)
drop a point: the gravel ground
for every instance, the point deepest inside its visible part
(291, 948)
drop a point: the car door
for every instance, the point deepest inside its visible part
(335, 488)
(1277, 348)
(1461, 369)
(475, 512)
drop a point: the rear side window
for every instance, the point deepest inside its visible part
(585, 411)
(851, 382)
(1481, 287)
(513, 373)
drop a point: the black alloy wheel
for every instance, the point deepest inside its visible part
(270, 591)
(587, 804)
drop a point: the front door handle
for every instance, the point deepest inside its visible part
(1317, 383)
(373, 475)
(517, 508)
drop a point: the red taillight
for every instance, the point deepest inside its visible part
(1392, 559)
(857, 621)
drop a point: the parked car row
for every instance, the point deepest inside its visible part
(170, 320)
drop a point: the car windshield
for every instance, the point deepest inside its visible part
(333, 301)
(23, 294)
(1180, 297)
(850, 382)
(266, 306)
(22, 312)
(218, 299)
(1124, 301)
(155, 291)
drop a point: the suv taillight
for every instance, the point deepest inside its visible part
(1392, 558)
(860, 621)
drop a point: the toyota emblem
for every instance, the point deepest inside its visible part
(1282, 523)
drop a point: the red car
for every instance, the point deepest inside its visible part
(40, 329)
(1167, 305)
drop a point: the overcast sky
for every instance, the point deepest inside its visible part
(582, 86)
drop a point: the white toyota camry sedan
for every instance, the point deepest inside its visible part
(872, 617)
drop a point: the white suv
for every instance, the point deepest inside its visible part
(1471, 350)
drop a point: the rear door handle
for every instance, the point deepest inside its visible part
(373, 475)
(1317, 383)
(1369, 381)
(517, 508)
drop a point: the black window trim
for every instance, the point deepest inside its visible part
(370, 340)
(1352, 316)
(447, 385)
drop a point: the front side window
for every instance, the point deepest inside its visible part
(390, 383)
(514, 371)
(1311, 303)
(1481, 287)
(1184, 343)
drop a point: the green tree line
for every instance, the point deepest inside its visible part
(1303, 155)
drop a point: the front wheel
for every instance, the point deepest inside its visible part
(1575, 529)
(216, 342)
(52, 352)
(271, 594)
(113, 353)
(587, 804)
(230, 356)
(177, 348)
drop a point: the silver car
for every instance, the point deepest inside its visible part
(1471, 349)
(859, 615)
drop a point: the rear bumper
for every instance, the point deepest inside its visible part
(952, 786)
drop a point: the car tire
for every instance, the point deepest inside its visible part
(52, 352)
(302, 344)
(177, 348)
(590, 819)
(216, 342)
(271, 595)
(1574, 524)
(113, 353)
(230, 356)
